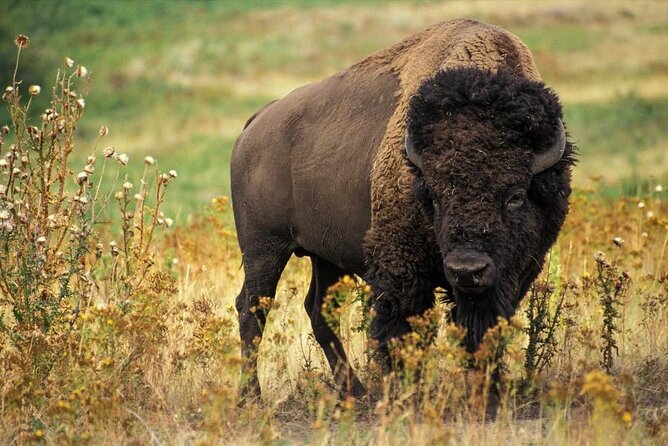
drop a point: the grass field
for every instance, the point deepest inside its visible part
(177, 80)
(150, 354)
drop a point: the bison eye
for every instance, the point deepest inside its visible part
(515, 200)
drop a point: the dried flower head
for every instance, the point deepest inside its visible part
(118, 195)
(108, 152)
(82, 177)
(103, 130)
(123, 159)
(82, 71)
(81, 103)
(172, 173)
(41, 240)
(7, 226)
(22, 41)
(641, 205)
(5, 129)
(169, 222)
(149, 160)
(127, 185)
(34, 90)
(618, 241)
(69, 63)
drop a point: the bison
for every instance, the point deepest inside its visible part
(441, 161)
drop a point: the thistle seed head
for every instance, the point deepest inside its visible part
(22, 41)
(82, 71)
(123, 159)
(82, 177)
(109, 152)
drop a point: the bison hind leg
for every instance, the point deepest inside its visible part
(262, 271)
(323, 275)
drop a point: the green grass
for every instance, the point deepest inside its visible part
(625, 126)
(177, 80)
(559, 39)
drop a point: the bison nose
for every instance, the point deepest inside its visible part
(469, 271)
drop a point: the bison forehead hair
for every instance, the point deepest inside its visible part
(524, 111)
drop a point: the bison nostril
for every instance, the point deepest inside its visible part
(473, 271)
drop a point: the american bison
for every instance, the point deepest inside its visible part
(441, 161)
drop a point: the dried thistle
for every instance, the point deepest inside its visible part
(22, 41)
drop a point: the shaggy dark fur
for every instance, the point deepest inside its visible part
(476, 132)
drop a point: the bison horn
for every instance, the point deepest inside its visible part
(412, 154)
(550, 157)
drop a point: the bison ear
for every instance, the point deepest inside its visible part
(413, 156)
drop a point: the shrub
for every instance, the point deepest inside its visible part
(79, 323)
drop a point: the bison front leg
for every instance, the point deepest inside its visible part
(398, 298)
(325, 274)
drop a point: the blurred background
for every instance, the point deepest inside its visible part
(176, 80)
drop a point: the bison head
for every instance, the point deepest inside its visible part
(492, 176)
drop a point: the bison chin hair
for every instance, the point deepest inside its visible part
(477, 314)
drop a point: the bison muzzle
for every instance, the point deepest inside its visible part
(442, 162)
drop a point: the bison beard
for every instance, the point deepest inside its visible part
(478, 317)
